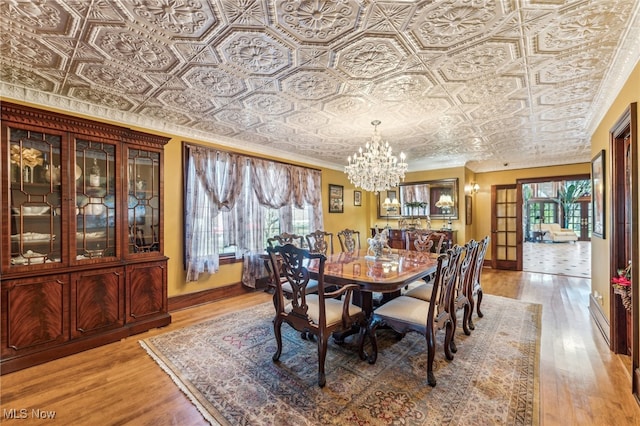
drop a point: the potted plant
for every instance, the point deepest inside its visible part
(415, 205)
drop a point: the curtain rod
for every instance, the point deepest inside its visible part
(197, 145)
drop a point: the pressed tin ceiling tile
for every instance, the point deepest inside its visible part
(478, 83)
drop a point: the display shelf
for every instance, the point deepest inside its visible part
(67, 259)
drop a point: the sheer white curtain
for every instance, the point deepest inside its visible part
(214, 181)
(242, 190)
(283, 187)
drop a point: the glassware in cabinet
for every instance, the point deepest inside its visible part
(95, 200)
(143, 200)
(35, 197)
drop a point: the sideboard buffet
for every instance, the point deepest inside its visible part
(397, 237)
(81, 255)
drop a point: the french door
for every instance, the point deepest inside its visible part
(580, 220)
(506, 234)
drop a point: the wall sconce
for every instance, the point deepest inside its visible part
(474, 187)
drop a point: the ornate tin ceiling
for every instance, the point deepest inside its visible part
(486, 83)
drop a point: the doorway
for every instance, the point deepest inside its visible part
(624, 238)
(566, 202)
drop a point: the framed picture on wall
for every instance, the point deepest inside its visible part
(357, 198)
(336, 198)
(598, 185)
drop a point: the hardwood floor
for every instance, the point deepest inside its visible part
(581, 381)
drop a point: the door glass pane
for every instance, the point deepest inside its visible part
(143, 207)
(95, 200)
(35, 197)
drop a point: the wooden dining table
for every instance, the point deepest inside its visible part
(387, 274)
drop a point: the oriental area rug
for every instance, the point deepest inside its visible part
(224, 367)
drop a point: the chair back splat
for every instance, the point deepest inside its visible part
(349, 240)
(460, 296)
(286, 238)
(320, 314)
(474, 286)
(320, 242)
(438, 240)
(420, 240)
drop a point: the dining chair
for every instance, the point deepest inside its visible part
(349, 240)
(438, 240)
(318, 314)
(459, 298)
(297, 241)
(286, 238)
(474, 286)
(404, 314)
(320, 242)
(420, 241)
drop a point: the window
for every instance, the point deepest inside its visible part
(272, 226)
(233, 203)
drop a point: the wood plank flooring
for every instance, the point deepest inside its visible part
(581, 381)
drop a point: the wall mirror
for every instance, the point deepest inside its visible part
(420, 199)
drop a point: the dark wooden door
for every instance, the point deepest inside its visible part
(506, 217)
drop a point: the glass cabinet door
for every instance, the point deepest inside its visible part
(35, 197)
(95, 197)
(143, 205)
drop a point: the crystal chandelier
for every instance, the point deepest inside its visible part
(376, 169)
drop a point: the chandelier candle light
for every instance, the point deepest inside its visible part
(376, 169)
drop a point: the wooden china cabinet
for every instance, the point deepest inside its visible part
(81, 254)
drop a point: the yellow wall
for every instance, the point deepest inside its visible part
(354, 217)
(600, 274)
